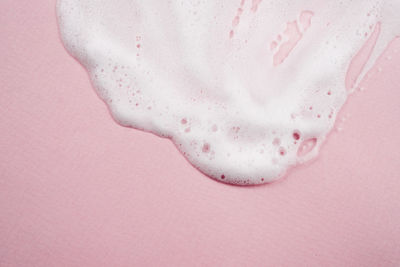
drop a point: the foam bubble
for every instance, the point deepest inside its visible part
(245, 89)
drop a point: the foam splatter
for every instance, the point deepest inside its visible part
(245, 89)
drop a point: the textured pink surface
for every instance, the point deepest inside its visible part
(76, 189)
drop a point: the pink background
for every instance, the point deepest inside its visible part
(76, 189)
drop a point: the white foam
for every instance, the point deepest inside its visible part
(245, 89)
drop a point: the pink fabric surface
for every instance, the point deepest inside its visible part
(77, 189)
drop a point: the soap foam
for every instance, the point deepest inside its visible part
(245, 89)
